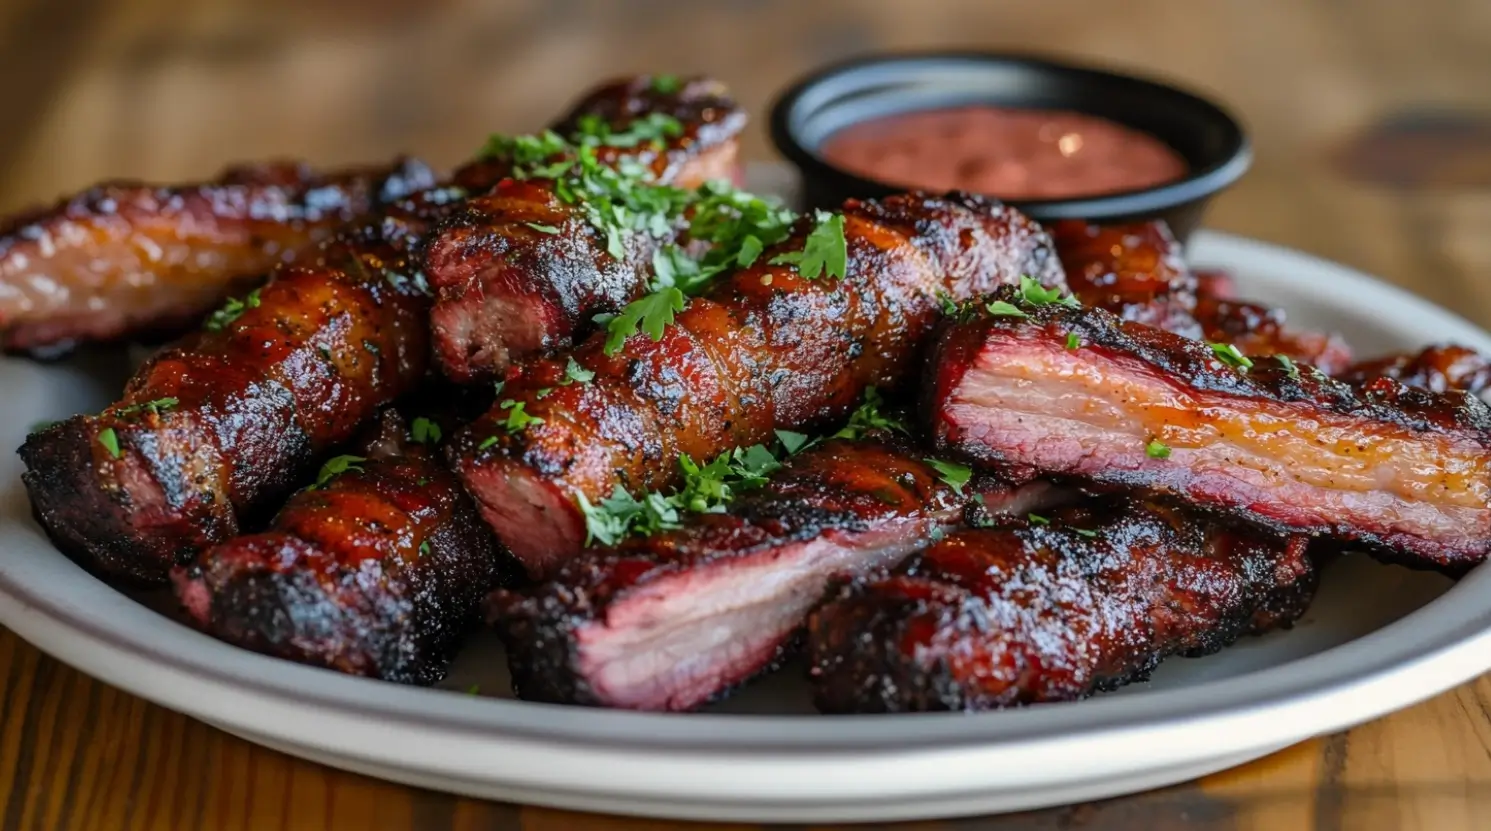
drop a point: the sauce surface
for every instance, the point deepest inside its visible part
(1004, 152)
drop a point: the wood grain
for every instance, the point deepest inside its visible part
(1370, 120)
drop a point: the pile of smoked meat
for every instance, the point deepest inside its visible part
(662, 433)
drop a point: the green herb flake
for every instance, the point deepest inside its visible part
(651, 313)
(487, 442)
(953, 474)
(1290, 367)
(793, 442)
(1228, 354)
(155, 407)
(425, 431)
(936, 534)
(1072, 341)
(424, 548)
(231, 311)
(474, 689)
(824, 250)
(1037, 519)
(1157, 449)
(1086, 532)
(542, 228)
(1035, 294)
(948, 305)
(518, 418)
(666, 84)
(576, 374)
(869, 416)
(110, 440)
(336, 466)
(1001, 308)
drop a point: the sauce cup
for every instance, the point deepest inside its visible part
(1212, 142)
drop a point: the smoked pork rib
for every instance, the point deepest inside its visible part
(1138, 272)
(764, 349)
(378, 571)
(123, 258)
(520, 271)
(673, 621)
(1400, 470)
(1092, 598)
(227, 421)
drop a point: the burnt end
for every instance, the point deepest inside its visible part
(1441, 368)
(539, 631)
(379, 573)
(86, 520)
(1090, 601)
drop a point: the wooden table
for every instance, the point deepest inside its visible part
(1373, 130)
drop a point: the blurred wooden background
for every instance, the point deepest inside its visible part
(1372, 122)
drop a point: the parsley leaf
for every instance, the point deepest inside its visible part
(1289, 365)
(948, 304)
(952, 473)
(424, 548)
(425, 431)
(1157, 449)
(1037, 519)
(825, 249)
(652, 313)
(232, 310)
(793, 442)
(155, 407)
(542, 228)
(1035, 294)
(666, 84)
(517, 418)
(1086, 532)
(1228, 354)
(110, 440)
(336, 466)
(868, 416)
(1001, 308)
(574, 373)
(487, 442)
(1072, 341)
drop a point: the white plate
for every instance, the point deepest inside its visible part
(1377, 639)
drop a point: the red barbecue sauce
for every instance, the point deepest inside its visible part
(1004, 152)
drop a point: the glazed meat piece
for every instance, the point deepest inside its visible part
(126, 259)
(522, 270)
(377, 570)
(673, 621)
(766, 348)
(1442, 368)
(1400, 470)
(213, 431)
(1090, 600)
(1138, 272)
(1261, 331)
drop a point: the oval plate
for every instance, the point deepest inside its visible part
(1378, 638)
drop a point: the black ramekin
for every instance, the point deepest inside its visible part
(1210, 140)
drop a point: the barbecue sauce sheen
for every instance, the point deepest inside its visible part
(1009, 153)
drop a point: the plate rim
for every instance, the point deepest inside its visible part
(1433, 648)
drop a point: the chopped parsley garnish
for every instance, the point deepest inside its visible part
(110, 440)
(542, 228)
(947, 303)
(1037, 519)
(487, 442)
(652, 313)
(497, 387)
(1035, 294)
(576, 374)
(1228, 354)
(424, 548)
(474, 689)
(1290, 367)
(666, 84)
(334, 467)
(232, 310)
(868, 416)
(544, 393)
(155, 407)
(425, 431)
(1086, 532)
(953, 474)
(1157, 449)
(1002, 308)
(517, 418)
(793, 442)
(1072, 341)
(824, 250)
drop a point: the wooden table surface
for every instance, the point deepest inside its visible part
(1372, 123)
